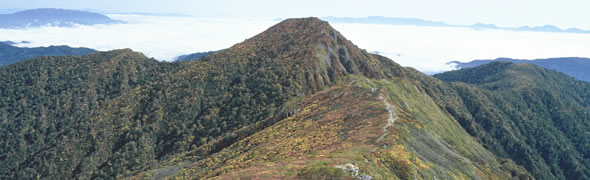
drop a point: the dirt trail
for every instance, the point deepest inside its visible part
(392, 115)
(390, 120)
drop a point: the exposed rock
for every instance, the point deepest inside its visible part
(354, 171)
(350, 168)
(345, 60)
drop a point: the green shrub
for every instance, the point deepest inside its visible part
(321, 170)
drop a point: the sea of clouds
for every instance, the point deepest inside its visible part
(427, 49)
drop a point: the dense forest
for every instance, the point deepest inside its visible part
(48, 104)
(10, 54)
(117, 114)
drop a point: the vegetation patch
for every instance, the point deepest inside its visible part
(322, 170)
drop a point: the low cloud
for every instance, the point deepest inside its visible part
(427, 49)
(161, 37)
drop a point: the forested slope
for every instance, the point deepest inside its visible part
(537, 117)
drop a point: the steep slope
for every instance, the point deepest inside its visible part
(574, 67)
(10, 54)
(116, 114)
(535, 116)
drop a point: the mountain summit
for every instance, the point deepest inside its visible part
(320, 51)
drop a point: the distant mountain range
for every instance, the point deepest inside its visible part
(52, 17)
(11, 54)
(572, 66)
(14, 43)
(193, 56)
(385, 20)
(421, 22)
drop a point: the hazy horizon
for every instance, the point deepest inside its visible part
(427, 49)
(212, 26)
(360, 18)
(513, 13)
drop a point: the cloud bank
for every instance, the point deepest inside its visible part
(427, 49)
(161, 37)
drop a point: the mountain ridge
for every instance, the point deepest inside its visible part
(52, 17)
(572, 66)
(428, 23)
(11, 54)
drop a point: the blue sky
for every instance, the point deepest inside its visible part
(563, 13)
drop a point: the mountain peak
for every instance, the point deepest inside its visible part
(312, 46)
(308, 20)
(310, 23)
(295, 30)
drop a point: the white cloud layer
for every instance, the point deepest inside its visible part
(424, 48)
(161, 37)
(429, 48)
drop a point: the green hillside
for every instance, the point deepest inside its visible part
(537, 117)
(48, 105)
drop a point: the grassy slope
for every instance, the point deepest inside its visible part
(341, 125)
